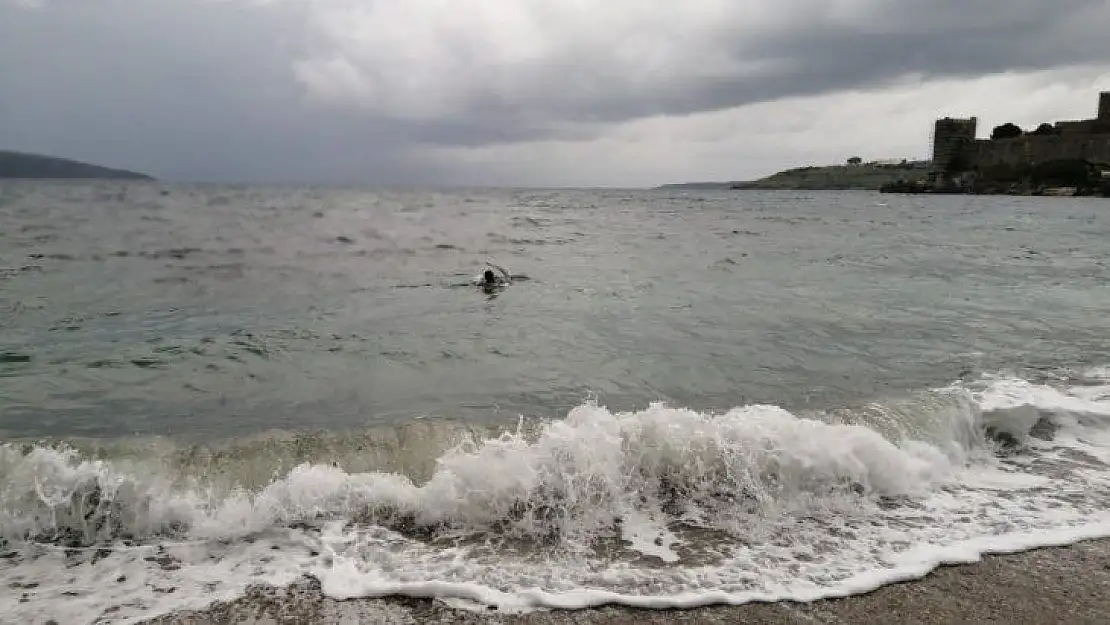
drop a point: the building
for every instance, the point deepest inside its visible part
(956, 149)
(953, 144)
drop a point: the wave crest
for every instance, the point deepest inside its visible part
(569, 480)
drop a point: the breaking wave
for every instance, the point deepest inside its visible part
(660, 507)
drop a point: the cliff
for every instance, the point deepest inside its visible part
(23, 165)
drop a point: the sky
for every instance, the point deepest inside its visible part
(614, 93)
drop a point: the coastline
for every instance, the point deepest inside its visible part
(1068, 584)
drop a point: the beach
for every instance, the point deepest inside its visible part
(1050, 585)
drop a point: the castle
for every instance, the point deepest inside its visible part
(956, 150)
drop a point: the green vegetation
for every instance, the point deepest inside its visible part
(1044, 129)
(866, 177)
(1006, 131)
(22, 165)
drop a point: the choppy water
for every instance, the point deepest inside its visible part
(725, 396)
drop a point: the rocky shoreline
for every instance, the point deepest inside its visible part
(1059, 178)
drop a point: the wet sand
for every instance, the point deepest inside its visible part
(1052, 585)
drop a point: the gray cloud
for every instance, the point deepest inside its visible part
(650, 65)
(342, 90)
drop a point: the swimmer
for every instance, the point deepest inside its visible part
(490, 280)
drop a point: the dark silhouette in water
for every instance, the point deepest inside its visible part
(492, 284)
(489, 281)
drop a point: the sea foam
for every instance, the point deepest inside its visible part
(664, 507)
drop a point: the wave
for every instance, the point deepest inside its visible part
(574, 477)
(660, 507)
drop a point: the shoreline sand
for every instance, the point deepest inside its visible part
(1049, 585)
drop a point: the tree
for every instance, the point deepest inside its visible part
(855, 160)
(1044, 129)
(1006, 131)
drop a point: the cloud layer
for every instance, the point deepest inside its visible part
(524, 91)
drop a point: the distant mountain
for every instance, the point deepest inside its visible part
(23, 165)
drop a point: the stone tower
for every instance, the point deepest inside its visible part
(954, 144)
(1104, 107)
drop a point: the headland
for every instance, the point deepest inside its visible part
(38, 166)
(855, 175)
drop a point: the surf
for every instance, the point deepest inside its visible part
(660, 507)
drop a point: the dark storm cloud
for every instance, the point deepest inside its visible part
(655, 63)
(814, 56)
(350, 90)
(942, 39)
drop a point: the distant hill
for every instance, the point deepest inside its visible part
(696, 186)
(864, 177)
(23, 165)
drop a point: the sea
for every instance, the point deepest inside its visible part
(685, 397)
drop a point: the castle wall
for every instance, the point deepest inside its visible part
(1032, 149)
(954, 143)
(1081, 127)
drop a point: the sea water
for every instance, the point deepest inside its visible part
(697, 397)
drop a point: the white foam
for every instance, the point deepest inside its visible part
(649, 537)
(1098, 373)
(125, 586)
(1081, 412)
(1088, 403)
(988, 478)
(755, 504)
(347, 581)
